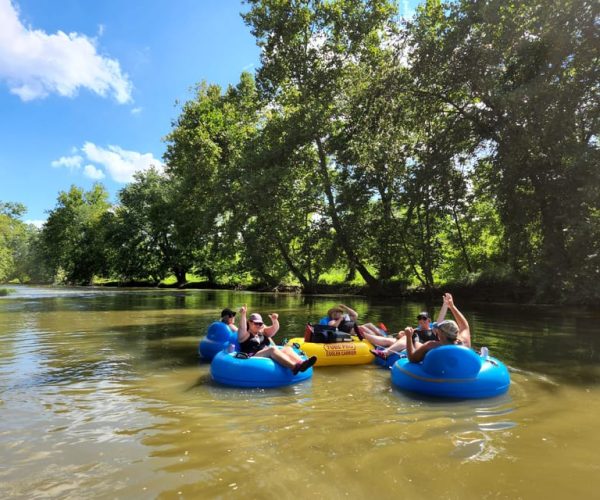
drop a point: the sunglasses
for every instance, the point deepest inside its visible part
(258, 323)
(421, 317)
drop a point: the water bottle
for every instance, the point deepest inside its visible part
(230, 348)
(484, 352)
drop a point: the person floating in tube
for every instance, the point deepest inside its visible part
(255, 340)
(228, 317)
(426, 331)
(344, 319)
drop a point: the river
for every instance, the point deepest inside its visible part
(102, 395)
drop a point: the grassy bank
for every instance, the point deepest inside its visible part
(481, 291)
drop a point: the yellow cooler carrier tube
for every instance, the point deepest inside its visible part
(337, 353)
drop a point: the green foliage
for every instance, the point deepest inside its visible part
(524, 75)
(460, 147)
(143, 241)
(73, 237)
(203, 153)
(18, 258)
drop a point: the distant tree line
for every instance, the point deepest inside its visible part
(460, 146)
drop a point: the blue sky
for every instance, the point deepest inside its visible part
(88, 89)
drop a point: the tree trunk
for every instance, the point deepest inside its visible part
(461, 241)
(292, 267)
(388, 266)
(180, 273)
(337, 225)
(427, 253)
(409, 255)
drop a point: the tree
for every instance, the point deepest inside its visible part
(282, 212)
(11, 235)
(144, 238)
(309, 50)
(73, 236)
(204, 150)
(524, 76)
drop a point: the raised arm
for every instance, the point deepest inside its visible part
(351, 312)
(464, 331)
(443, 310)
(243, 329)
(335, 322)
(416, 354)
(274, 328)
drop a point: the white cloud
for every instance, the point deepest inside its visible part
(35, 64)
(36, 222)
(93, 172)
(119, 163)
(136, 111)
(70, 162)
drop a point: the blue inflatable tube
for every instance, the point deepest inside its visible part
(390, 360)
(253, 372)
(218, 337)
(453, 372)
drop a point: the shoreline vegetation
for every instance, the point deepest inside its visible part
(483, 292)
(489, 293)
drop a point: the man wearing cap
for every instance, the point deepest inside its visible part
(448, 332)
(420, 335)
(228, 317)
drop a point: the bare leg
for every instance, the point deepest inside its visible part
(372, 329)
(377, 339)
(276, 355)
(288, 351)
(286, 358)
(398, 345)
(394, 348)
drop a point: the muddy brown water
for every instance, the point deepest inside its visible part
(102, 395)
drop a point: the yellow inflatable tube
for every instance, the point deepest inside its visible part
(338, 353)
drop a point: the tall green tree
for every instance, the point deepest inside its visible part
(309, 50)
(144, 240)
(524, 75)
(282, 211)
(73, 235)
(12, 236)
(204, 151)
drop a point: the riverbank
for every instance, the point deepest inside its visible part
(483, 292)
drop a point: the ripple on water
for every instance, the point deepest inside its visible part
(113, 404)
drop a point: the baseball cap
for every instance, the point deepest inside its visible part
(227, 312)
(255, 318)
(449, 327)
